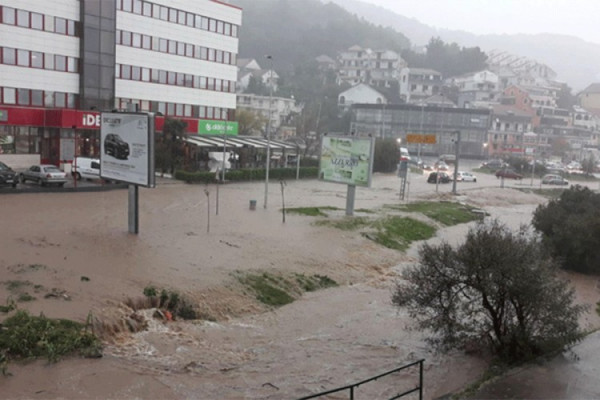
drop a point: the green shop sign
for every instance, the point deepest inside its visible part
(217, 128)
(4, 116)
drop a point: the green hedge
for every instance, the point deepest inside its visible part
(240, 175)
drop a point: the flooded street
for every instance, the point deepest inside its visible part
(325, 339)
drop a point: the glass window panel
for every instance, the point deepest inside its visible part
(209, 112)
(23, 58)
(164, 13)
(210, 83)
(60, 62)
(49, 62)
(146, 42)
(48, 99)
(136, 40)
(126, 38)
(211, 54)
(145, 105)
(154, 76)
(189, 50)
(203, 82)
(189, 80)
(171, 78)
(187, 110)
(164, 45)
(219, 56)
(220, 28)
(172, 47)
(37, 59)
(172, 15)
(71, 64)
(180, 49)
(70, 27)
(37, 21)
(179, 79)
(60, 25)
(117, 71)
(8, 15)
(136, 73)
(212, 26)
(71, 100)
(23, 97)
(205, 23)
(162, 107)
(23, 18)
(181, 17)
(156, 11)
(146, 74)
(118, 34)
(48, 23)
(147, 9)
(59, 100)
(227, 57)
(218, 85)
(10, 96)
(179, 109)
(198, 21)
(170, 109)
(234, 30)
(155, 44)
(196, 83)
(137, 6)
(37, 98)
(190, 19)
(126, 71)
(9, 56)
(162, 77)
(202, 112)
(203, 53)
(127, 5)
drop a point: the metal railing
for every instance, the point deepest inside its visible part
(351, 387)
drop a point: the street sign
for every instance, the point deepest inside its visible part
(218, 128)
(416, 138)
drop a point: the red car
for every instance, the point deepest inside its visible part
(508, 173)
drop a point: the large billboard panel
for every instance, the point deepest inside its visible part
(347, 159)
(127, 154)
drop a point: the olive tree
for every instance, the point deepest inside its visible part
(496, 289)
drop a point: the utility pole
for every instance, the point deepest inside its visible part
(269, 131)
(457, 150)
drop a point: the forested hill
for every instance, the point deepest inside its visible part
(293, 32)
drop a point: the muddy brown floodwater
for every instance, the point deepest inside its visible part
(326, 339)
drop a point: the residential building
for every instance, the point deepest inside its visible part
(65, 61)
(398, 120)
(419, 83)
(361, 93)
(481, 86)
(507, 130)
(378, 68)
(326, 63)
(250, 68)
(589, 98)
(282, 112)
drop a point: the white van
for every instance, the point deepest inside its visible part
(404, 155)
(86, 168)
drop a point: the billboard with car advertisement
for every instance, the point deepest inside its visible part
(346, 159)
(127, 148)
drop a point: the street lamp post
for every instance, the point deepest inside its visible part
(269, 130)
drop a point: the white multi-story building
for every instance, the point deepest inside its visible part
(378, 68)
(281, 111)
(64, 61)
(419, 83)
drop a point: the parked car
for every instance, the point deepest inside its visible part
(116, 147)
(441, 177)
(86, 168)
(441, 165)
(463, 176)
(508, 173)
(8, 177)
(552, 179)
(493, 164)
(44, 175)
(448, 158)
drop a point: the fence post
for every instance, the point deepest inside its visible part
(421, 380)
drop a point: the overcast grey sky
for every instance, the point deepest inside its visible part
(579, 18)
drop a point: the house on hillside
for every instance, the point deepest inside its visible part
(507, 130)
(326, 63)
(419, 83)
(475, 87)
(359, 94)
(377, 68)
(589, 98)
(282, 111)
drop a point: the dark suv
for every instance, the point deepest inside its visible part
(116, 147)
(7, 176)
(440, 176)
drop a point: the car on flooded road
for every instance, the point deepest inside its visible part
(8, 177)
(44, 174)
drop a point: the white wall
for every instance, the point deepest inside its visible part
(59, 8)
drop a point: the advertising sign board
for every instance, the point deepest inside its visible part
(347, 159)
(217, 128)
(127, 141)
(416, 138)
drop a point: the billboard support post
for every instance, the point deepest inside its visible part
(133, 214)
(350, 194)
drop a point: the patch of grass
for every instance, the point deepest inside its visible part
(16, 285)
(346, 223)
(398, 232)
(311, 211)
(278, 290)
(24, 297)
(314, 282)
(170, 300)
(24, 337)
(445, 212)
(10, 305)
